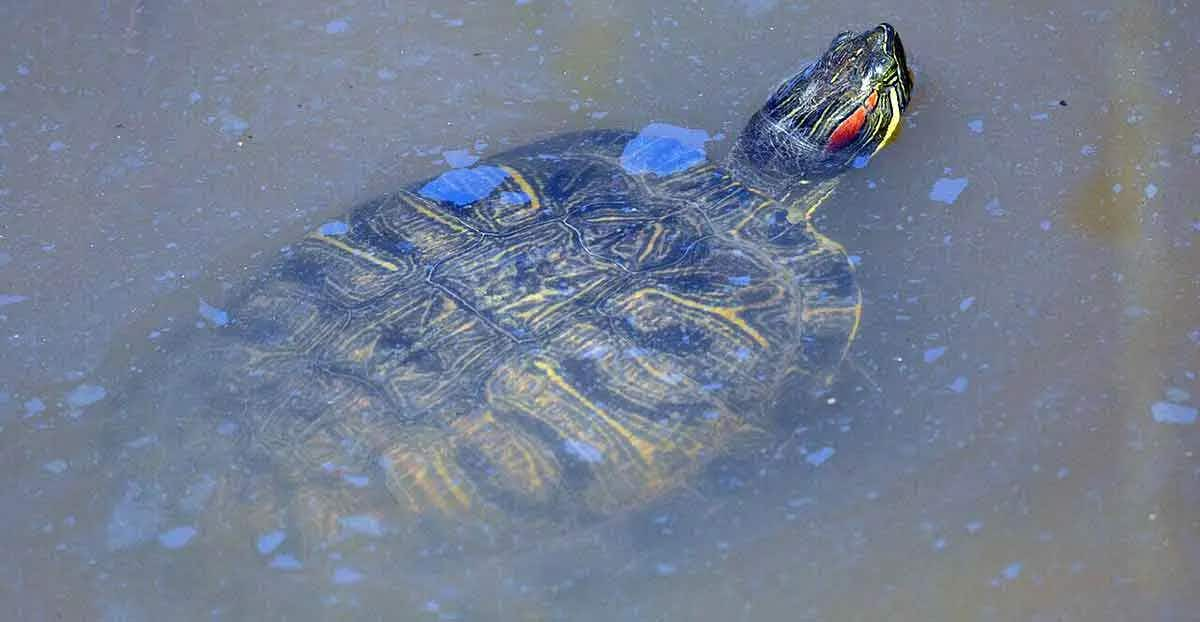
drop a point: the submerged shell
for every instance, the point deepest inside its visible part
(570, 328)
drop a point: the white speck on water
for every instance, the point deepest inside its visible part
(742, 280)
(992, 207)
(334, 227)
(345, 575)
(933, 354)
(56, 467)
(1087, 150)
(11, 299)
(966, 303)
(215, 316)
(34, 407)
(820, 456)
(268, 542)
(3, 87)
(337, 26)
(1045, 225)
(664, 569)
(1195, 148)
(176, 538)
(85, 395)
(1176, 414)
(974, 527)
(1039, 116)
(855, 260)
(939, 544)
(385, 74)
(285, 562)
(1062, 473)
(959, 385)
(1117, 188)
(1012, 571)
(57, 145)
(459, 158)
(1151, 191)
(582, 451)
(227, 428)
(976, 125)
(358, 481)
(947, 189)
(194, 97)
(364, 524)
(23, 70)
(1177, 395)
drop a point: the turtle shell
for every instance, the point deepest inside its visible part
(571, 328)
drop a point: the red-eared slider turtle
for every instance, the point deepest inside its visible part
(568, 329)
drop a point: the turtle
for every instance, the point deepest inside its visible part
(561, 332)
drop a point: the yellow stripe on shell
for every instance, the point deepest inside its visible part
(644, 449)
(524, 185)
(357, 252)
(729, 314)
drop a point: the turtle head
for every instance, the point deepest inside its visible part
(836, 113)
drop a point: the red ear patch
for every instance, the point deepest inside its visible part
(848, 130)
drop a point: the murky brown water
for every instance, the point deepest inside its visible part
(1013, 437)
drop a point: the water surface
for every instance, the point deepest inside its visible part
(1014, 435)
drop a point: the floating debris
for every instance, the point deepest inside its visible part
(85, 395)
(345, 575)
(337, 26)
(933, 354)
(966, 303)
(1177, 395)
(268, 542)
(584, 452)
(664, 149)
(215, 316)
(364, 524)
(959, 385)
(56, 467)
(334, 227)
(975, 125)
(820, 456)
(459, 158)
(947, 189)
(135, 518)
(1177, 414)
(34, 407)
(11, 299)
(177, 538)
